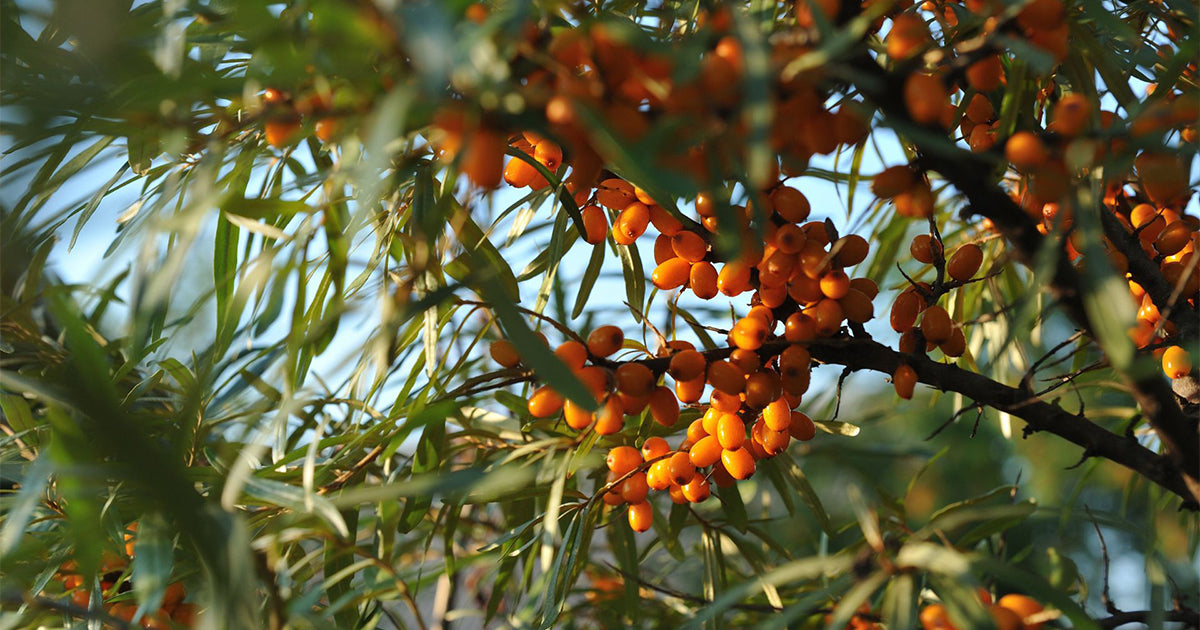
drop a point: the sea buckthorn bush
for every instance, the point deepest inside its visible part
(500, 314)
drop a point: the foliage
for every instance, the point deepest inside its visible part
(261, 261)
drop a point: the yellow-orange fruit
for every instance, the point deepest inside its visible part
(597, 379)
(1024, 606)
(545, 402)
(280, 133)
(980, 110)
(828, 316)
(734, 279)
(936, 324)
(835, 284)
(573, 353)
(731, 432)
(634, 379)
(705, 452)
(1025, 150)
(791, 204)
(691, 390)
(857, 307)
(923, 247)
(981, 138)
(664, 408)
(965, 262)
(852, 249)
(749, 333)
(1072, 115)
(635, 489)
(483, 160)
(680, 468)
(654, 447)
(505, 353)
(697, 490)
(956, 345)
(925, 97)
(327, 129)
(762, 387)
(986, 74)
(611, 417)
(617, 194)
(916, 202)
(800, 327)
(738, 462)
(934, 617)
(1173, 238)
(801, 427)
(662, 249)
(1005, 618)
(778, 415)
(631, 223)
(577, 417)
(726, 377)
(702, 280)
(519, 174)
(866, 285)
(904, 379)
(892, 181)
(689, 246)
(663, 221)
(605, 340)
(1148, 221)
(658, 478)
(671, 274)
(595, 224)
(790, 238)
(1042, 15)
(907, 36)
(623, 459)
(1176, 362)
(686, 365)
(641, 516)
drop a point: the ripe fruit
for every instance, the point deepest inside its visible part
(703, 280)
(986, 74)
(622, 460)
(689, 246)
(705, 452)
(904, 379)
(545, 402)
(641, 516)
(835, 284)
(801, 427)
(1024, 606)
(908, 35)
(739, 462)
(905, 310)
(577, 417)
(483, 158)
(731, 433)
(791, 204)
(605, 341)
(925, 97)
(505, 353)
(594, 222)
(697, 490)
(686, 365)
(934, 617)
(1072, 115)
(280, 133)
(664, 408)
(936, 324)
(727, 377)
(611, 417)
(1005, 618)
(892, 181)
(965, 262)
(1025, 150)
(1176, 362)
(749, 333)
(922, 248)
(680, 468)
(671, 274)
(654, 447)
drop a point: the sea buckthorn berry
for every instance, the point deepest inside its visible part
(734, 279)
(681, 468)
(965, 262)
(835, 284)
(1024, 606)
(908, 35)
(597, 379)
(1148, 221)
(731, 431)
(762, 387)
(1176, 362)
(635, 489)
(697, 490)
(1072, 115)
(709, 420)
(793, 358)
(662, 249)
(658, 477)
(904, 379)
(801, 427)
(916, 202)
(633, 405)
(982, 138)
(791, 204)
(772, 297)
(857, 306)
(1173, 238)
(936, 324)
(664, 221)
(654, 447)
(595, 224)
(778, 415)
(505, 353)
(866, 285)
(573, 353)
(923, 247)
(828, 315)
(577, 417)
(934, 617)
(726, 377)
(611, 417)
(545, 402)
(691, 390)
(747, 360)
(725, 403)
(703, 280)
(664, 408)
(616, 193)
(671, 274)
(686, 365)
(676, 492)
(1005, 618)
(631, 223)
(483, 159)
(518, 173)
(775, 442)
(790, 238)
(622, 460)
(925, 97)
(641, 516)
(705, 452)
(695, 433)
(905, 310)
(799, 327)
(738, 462)
(749, 333)
(956, 345)
(605, 340)
(1025, 150)
(851, 250)
(280, 133)
(689, 246)
(980, 109)
(986, 74)
(805, 290)
(892, 181)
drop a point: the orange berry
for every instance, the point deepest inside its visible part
(519, 174)
(956, 345)
(965, 262)
(934, 617)
(749, 333)
(925, 97)
(505, 353)
(738, 462)
(1042, 15)
(1176, 362)
(1173, 238)
(936, 324)
(980, 109)
(852, 249)
(689, 246)
(986, 74)
(761, 388)
(1072, 115)
(611, 417)
(623, 459)
(727, 377)
(801, 427)
(1005, 618)
(664, 408)
(705, 452)
(916, 202)
(835, 284)
(595, 224)
(654, 447)
(703, 280)
(635, 379)
(641, 516)
(857, 306)
(605, 340)
(483, 159)
(1025, 150)
(907, 36)
(680, 468)
(731, 432)
(635, 489)
(573, 353)
(800, 327)
(671, 274)
(662, 220)
(778, 415)
(892, 181)
(545, 402)
(617, 194)
(828, 316)
(1024, 606)
(686, 365)
(631, 223)
(791, 204)
(691, 390)
(697, 490)
(904, 379)
(923, 247)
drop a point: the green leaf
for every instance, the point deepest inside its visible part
(154, 555)
(427, 458)
(483, 255)
(295, 499)
(635, 278)
(21, 509)
(595, 264)
(735, 510)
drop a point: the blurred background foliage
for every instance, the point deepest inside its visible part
(272, 362)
